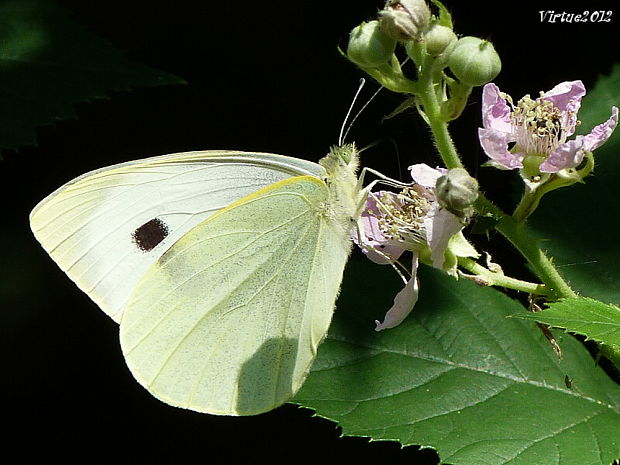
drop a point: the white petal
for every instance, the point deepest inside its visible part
(404, 302)
(424, 175)
(440, 226)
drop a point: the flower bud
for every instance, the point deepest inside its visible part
(405, 19)
(474, 61)
(369, 47)
(457, 191)
(438, 38)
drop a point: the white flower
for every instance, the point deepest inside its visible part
(411, 220)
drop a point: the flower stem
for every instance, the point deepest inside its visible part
(519, 236)
(526, 206)
(490, 278)
(432, 109)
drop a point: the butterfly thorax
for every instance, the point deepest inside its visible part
(341, 165)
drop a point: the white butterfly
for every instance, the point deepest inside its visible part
(221, 267)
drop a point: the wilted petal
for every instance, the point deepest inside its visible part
(601, 133)
(404, 302)
(426, 176)
(495, 110)
(440, 226)
(495, 145)
(567, 155)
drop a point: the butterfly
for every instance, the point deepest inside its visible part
(222, 268)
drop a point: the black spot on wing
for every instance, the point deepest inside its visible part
(151, 233)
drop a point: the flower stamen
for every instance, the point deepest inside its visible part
(401, 216)
(538, 125)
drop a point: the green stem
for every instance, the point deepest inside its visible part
(444, 143)
(491, 278)
(432, 109)
(532, 195)
(526, 206)
(519, 236)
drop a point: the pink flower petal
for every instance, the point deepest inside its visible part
(404, 302)
(601, 133)
(495, 110)
(495, 145)
(567, 96)
(374, 244)
(426, 176)
(440, 226)
(567, 155)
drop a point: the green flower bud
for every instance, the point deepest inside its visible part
(368, 46)
(405, 19)
(457, 191)
(474, 61)
(438, 38)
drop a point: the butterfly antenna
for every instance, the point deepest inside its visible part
(346, 118)
(342, 136)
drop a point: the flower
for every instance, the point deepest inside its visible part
(539, 129)
(411, 220)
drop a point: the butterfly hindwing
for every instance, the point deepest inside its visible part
(229, 319)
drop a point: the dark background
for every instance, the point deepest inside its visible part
(261, 76)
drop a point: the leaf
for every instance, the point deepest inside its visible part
(579, 224)
(585, 316)
(47, 63)
(460, 377)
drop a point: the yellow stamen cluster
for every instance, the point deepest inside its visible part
(401, 216)
(538, 125)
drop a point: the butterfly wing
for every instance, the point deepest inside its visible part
(229, 319)
(107, 227)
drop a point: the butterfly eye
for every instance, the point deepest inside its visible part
(151, 233)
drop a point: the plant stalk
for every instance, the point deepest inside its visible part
(490, 278)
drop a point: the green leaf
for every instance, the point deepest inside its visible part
(579, 223)
(585, 316)
(460, 377)
(47, 63)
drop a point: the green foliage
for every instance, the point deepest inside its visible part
(460, 377)
(47, 63)
(585, 316)
(575, 223)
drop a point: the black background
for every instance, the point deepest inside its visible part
(261, 76)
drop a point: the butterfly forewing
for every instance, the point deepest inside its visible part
(107, 227)
(228, 320)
